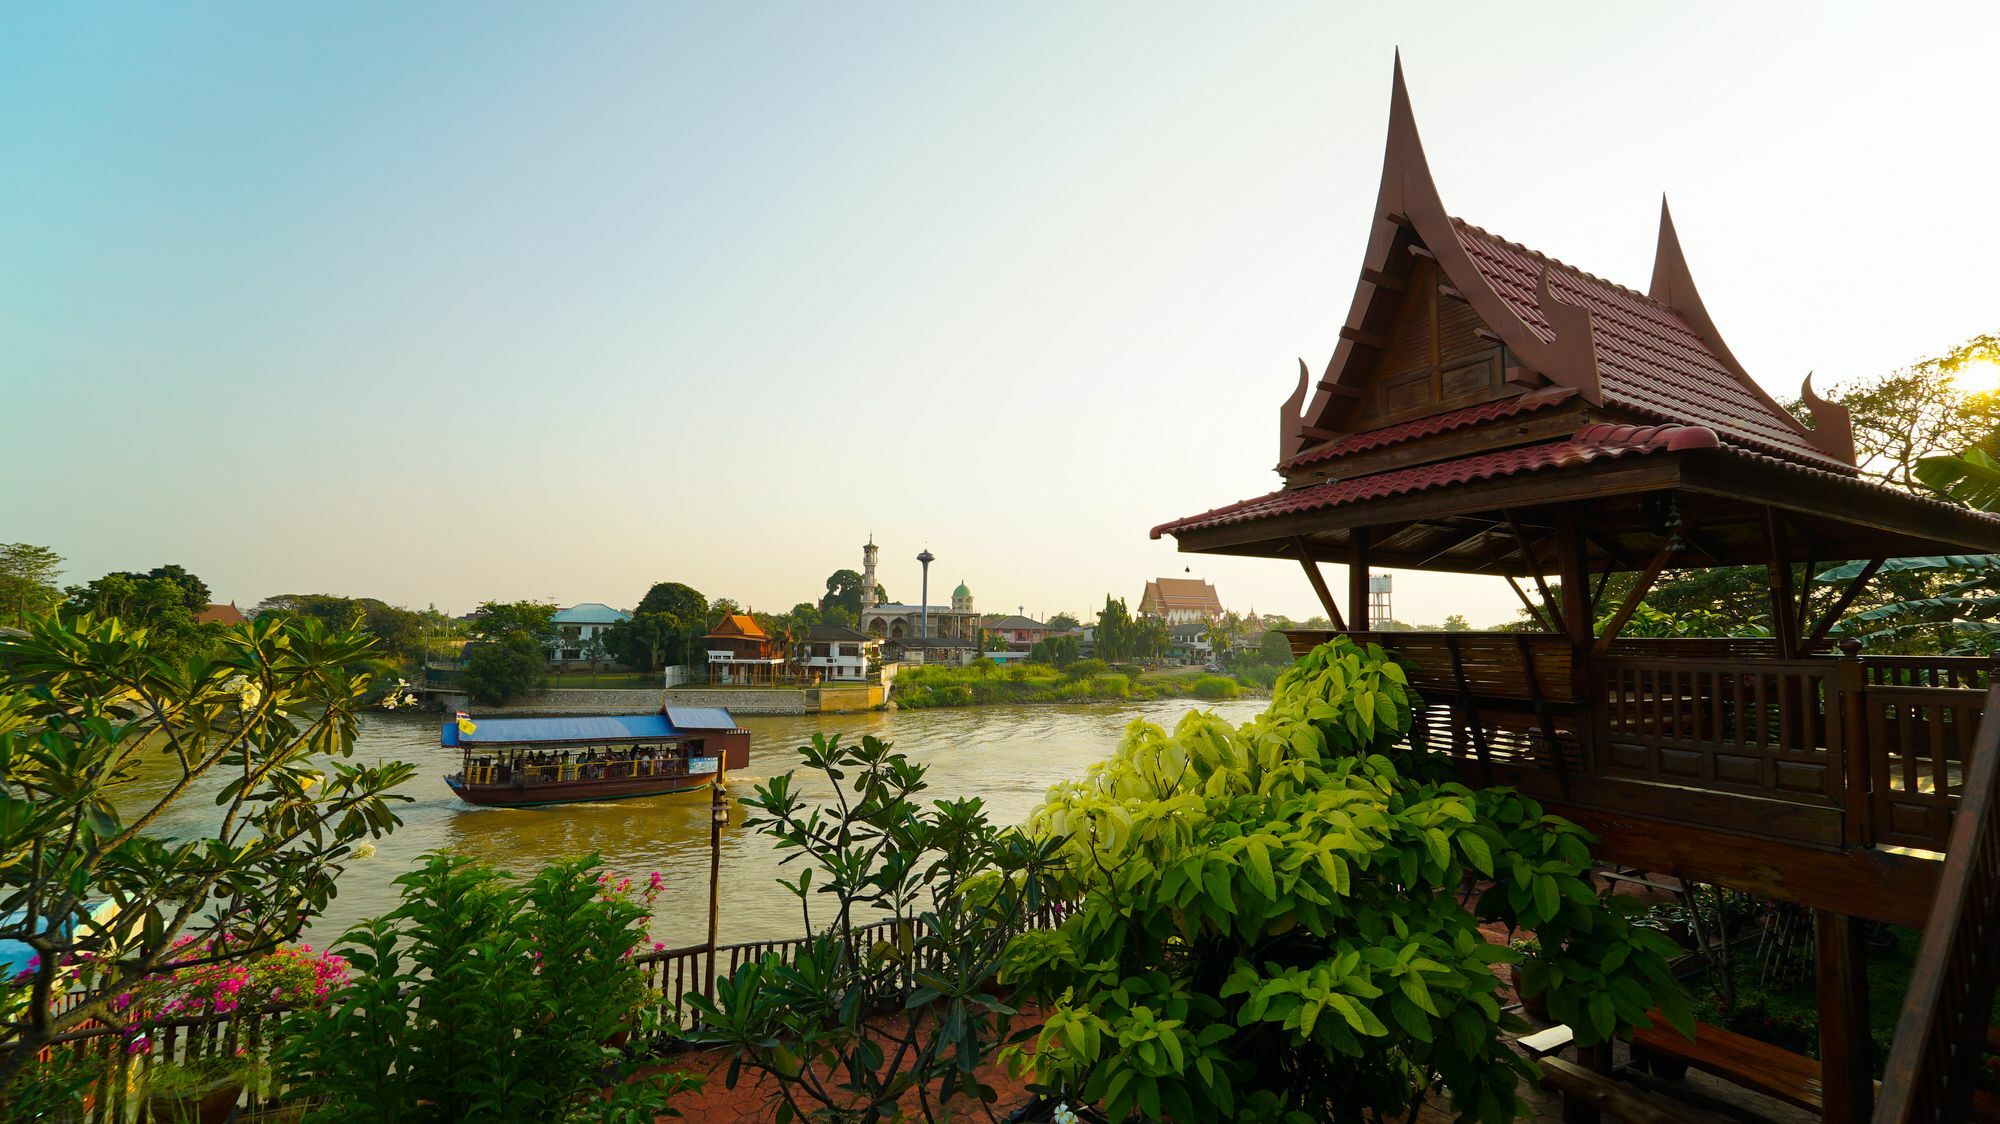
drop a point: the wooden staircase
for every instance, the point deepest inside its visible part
(1944, 1031)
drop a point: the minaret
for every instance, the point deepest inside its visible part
(868, 575)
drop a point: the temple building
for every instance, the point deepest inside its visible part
(1491, 410)
(1180, 600)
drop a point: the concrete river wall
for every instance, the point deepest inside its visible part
(737, 700)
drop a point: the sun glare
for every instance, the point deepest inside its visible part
(1980, 376)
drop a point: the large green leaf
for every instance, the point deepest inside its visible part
(1972, 478)
(1967, 564)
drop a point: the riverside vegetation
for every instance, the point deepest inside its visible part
(985, 683)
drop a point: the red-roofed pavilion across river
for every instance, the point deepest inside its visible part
(1489, 410)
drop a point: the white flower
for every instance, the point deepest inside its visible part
(1063, 1115)
(367, 851)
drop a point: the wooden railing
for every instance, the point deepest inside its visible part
(1835, 750)
(1933, 1063)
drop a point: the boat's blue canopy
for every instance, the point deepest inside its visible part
(700, 718)
(15, 956)
(554, 731)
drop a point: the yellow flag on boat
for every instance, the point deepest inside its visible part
(465, 726)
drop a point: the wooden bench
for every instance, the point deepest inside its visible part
(1757, 1065)
(1740, 1060)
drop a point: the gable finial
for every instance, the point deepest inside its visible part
(1672, 283)
(1832, 427)
(1573, 351)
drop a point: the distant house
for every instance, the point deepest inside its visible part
(1180, 600)
(837, 654)
(578, 625)
(741, 652)
(1021, 633)
(1189, 642)
(226, 615)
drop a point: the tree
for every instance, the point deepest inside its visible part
(1268, 923)
(1276, 648)
(723, 607)
(1921, 411)
(1221, 635)
(858, 1017)
(1065, 622)
(156, 602)
(397, 631)
(501, 670)
(92, 713)
(843, 590)
(1456, 623)
(644, 641)
(1114, 631)
(840, 616)
(28, 581)
(497, 620)
(1057, 651)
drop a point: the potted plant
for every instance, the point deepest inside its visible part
(201, 1090)
(1536, 1006)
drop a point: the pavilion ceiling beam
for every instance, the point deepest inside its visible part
(1847, 596)
(1611, 549)
(1633, 597)
(1455, 545)
(1533, 609)
(1341, 389)
(1318, 581)
(1535, 568)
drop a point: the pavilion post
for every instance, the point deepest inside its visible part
(1784, 606)
(1573, 571)
(1357, 579)
(1847, 1074)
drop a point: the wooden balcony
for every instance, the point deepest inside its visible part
(1852, 765)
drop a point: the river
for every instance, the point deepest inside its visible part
(1007, 755)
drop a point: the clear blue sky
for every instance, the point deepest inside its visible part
(445, 302)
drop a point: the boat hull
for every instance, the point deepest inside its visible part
(574, 792)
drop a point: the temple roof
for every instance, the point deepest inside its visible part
(737, 625)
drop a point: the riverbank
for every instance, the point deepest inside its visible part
(831, 699)
(923, 688)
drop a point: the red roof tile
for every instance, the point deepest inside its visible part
(1649, 359)
(1595, 442)
(1435, 424)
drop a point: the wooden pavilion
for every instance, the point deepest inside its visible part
(1489, 410)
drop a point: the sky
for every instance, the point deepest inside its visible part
(451, 302)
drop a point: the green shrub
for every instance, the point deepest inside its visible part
(1214, 687)
(1084, 669)
(1268, 924)
(482, 998)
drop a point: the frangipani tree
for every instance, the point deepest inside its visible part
(1269, 923)
(101, 738)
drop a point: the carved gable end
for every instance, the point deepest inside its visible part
(1436, 356)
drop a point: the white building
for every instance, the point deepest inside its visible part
(838, 654)
(580, 625)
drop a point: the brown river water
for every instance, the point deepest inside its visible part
(1009, 756)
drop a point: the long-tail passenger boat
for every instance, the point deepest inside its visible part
(525, 762)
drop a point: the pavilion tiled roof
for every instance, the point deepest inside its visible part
(1430, 426)
(1592, 443)
(1649, 359)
